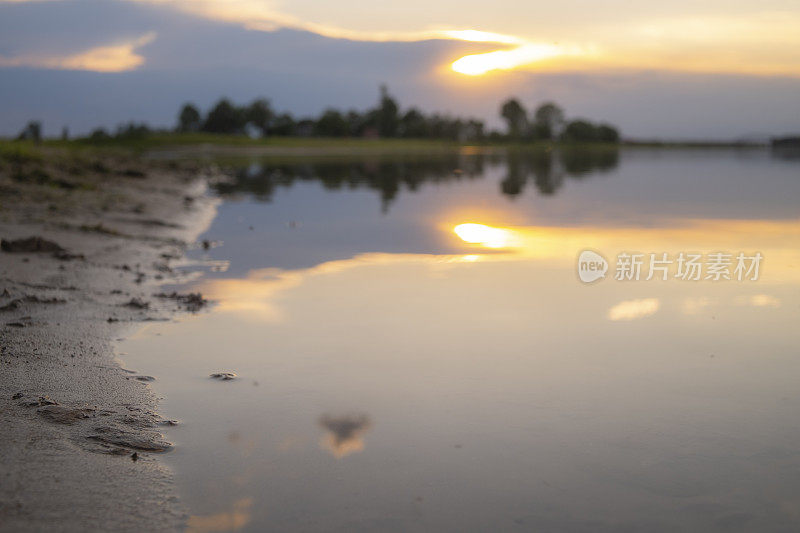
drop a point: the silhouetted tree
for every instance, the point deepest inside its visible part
(413, 124)
(189, 118)
(225, 118)
(547, 121)
(283, 125)
(259, 114)
(580, 131)
(132, 131)
(514, 115)
(331, 124)
(388, 115)
(607, 134)
(474, 130)
(304, 127)
(31, 132)
(355, 123)
(99, 134)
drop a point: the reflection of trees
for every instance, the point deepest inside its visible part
(787, 152)
(549, 167)
(389, 176)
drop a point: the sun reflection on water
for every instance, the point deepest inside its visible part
(485, 235)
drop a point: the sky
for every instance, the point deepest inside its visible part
(677, 70)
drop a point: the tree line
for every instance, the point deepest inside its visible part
(386, 120)
(548, 123)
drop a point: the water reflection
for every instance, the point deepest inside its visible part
(389, 176)
(548, 168)
(344, 434)
(257, 295)
(510, 395)
(237, 517)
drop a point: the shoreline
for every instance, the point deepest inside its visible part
(81, 435)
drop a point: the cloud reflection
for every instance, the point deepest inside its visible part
(237, 518)
(764, 300)
(343, 434)
(634, 309)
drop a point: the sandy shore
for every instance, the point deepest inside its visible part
(81, 436)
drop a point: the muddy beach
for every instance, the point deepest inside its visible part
(87, 240)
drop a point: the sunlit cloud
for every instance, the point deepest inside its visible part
(478, 36)
(117, 57)
(753, 40)
(260, 15)
(477, 64)
(634, 309)
(761, 42)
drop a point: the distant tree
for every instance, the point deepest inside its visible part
(454, 129)
(304, 127)
(225, 118)
(189, 118)
(607, 133)
(413, 124)
(259, 114)
(355, 123)
(132, 130)
(494, 136)
(331, 124)
(283, 125)
(388, 115)
(474, 130)
(580, 131)
(31, 132)
(65, 133)
(99, 134)
(514, 115)
(548, 119)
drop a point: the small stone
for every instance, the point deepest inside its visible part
(223, 376)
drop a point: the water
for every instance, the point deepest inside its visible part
(395, 377)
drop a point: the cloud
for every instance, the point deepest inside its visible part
(634, 309)
(756, 41)
(744, 39)
(118, 57)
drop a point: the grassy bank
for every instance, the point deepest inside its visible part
(183, 145)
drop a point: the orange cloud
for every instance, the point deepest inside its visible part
(118, 57)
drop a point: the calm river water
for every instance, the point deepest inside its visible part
(415, 349)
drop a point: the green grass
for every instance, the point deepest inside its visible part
(25, 151)
(166, 140)
(19, 152)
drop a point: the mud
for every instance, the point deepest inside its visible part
(71, 418)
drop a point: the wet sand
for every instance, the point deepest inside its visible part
(81, 436)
